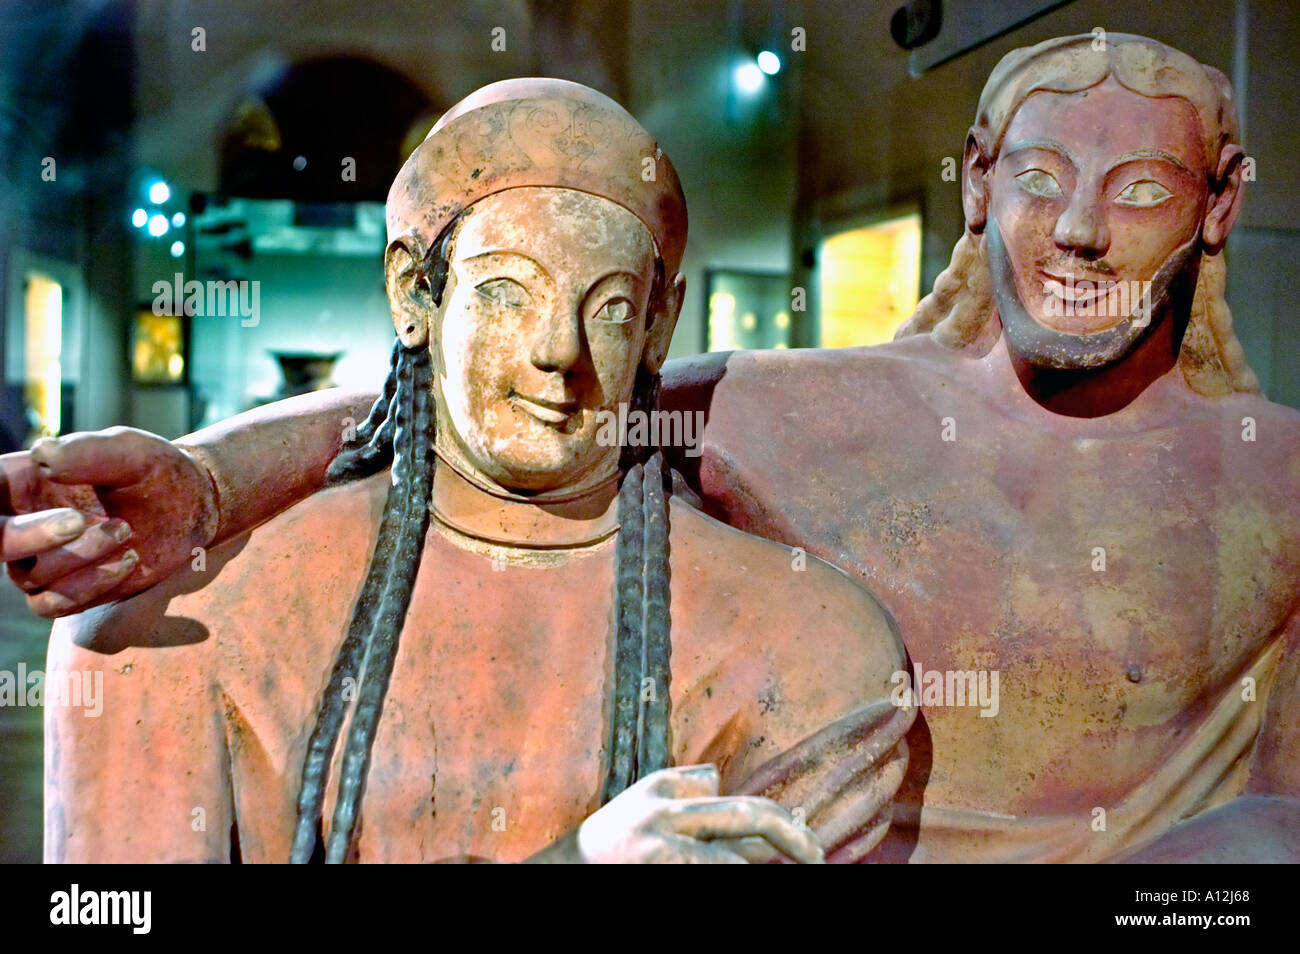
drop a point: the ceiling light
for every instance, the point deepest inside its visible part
(749, 78)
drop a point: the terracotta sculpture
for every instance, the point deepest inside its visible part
(565, 632)
(1060, 472)
(1093, 502)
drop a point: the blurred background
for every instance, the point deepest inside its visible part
(248, 145)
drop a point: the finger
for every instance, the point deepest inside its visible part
(110, 458)
(76, 591)
(93, 546)
(872, 791)
(32, 533)
(742, 818)
(683, 781)
(19, 476)
(689, 851)
(756, 851)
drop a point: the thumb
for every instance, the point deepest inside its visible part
(111, 458)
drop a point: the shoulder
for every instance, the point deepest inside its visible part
(778, 601)
(315, 551)
(811, 396)
(907, 357)
(1257, 445)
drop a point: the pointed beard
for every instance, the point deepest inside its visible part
(1043, 347)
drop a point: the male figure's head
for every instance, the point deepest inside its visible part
(1100, 181)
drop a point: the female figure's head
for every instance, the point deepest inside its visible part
(553, 300)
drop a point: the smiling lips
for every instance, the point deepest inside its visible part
(548, 412)
(1072, 289)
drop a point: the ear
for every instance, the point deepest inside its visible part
(975, 167)
(663, 319)
(1224, 202)
(409, 297)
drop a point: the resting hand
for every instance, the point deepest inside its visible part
(676, 816)
(94, 517)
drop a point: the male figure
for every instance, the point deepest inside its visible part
(1092, 502)
(1087, 498)
(478, 705)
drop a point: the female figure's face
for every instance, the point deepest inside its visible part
(542, 326)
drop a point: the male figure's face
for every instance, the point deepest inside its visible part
(1096, 201)
(543, 325)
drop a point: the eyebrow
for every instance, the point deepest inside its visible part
(1048, 144)
(503, 251)
(616, 272)
(1151, 154)
(613, 273)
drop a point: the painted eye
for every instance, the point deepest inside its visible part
(617, 311)
(1143, 194)
(1039, 183)
(505, 292)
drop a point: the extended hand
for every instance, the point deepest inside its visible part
(99, 516)
(676, 816)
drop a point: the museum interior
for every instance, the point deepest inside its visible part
(250, 144)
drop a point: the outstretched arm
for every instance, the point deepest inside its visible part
(91, 518)
(265, 460)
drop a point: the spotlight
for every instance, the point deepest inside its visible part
(157, 225)
(769, 62)
(178, 249)
(749, 78)
(159, 193)
(139, 217)
(178, 219)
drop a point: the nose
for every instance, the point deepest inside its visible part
(1081, 229)
(558, 343)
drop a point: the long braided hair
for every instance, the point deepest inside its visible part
(400, 431)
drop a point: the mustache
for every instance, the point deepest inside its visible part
(1079, 267)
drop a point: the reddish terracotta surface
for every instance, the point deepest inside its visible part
(550, 301)
(498, 701)
(982, 548)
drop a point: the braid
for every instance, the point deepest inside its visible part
(628, 600)
(399, 430)
(372, 450)
(959, 311)
(406, 518)
(654, 750)
(1211, 358)
(640, 735)
(367, 653)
